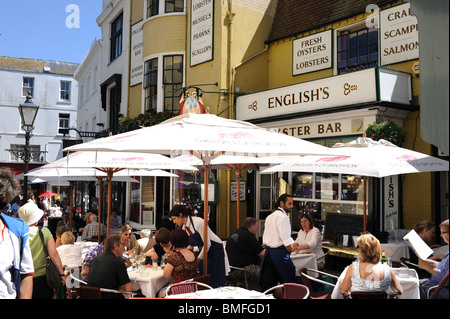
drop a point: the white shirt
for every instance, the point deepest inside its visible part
(70, 255)
(314, 240)
(277, 230)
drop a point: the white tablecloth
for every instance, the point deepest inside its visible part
(395, 251)
(407, 277)
(150, 282)
(227, 292)
(304, 261)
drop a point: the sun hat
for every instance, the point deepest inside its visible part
(30, 213)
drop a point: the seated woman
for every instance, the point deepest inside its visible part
(309, 240)
(426, 231)
(181, 262)
(367, 273)
(69, 253)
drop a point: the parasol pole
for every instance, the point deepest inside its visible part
(238, 169)
(100, 180)
(71, 205)
(205, 221)
(364, 204)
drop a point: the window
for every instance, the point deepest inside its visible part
(173, 81)
(28, 86)
(151, 84)
(64, 120)
(65, 91)
(174, 6)
(152, 8)
(357, 49)
(116, 38)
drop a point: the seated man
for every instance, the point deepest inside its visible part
(108, 270)
(243, 249)
(91, 229)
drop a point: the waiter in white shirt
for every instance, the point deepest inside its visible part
(277, 266)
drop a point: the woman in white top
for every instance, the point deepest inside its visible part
(309, 240)
(69, 253)
(367, 273)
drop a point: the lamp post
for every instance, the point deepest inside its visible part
(28, 111)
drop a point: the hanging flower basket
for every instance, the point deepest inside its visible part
(146, 119)
(386, 130)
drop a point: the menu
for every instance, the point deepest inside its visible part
(422, 250)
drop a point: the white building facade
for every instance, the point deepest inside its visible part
(54, 90)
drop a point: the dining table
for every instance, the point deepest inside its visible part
(148, 280)
(407, 277)
(304, 260)
(226, 292)
(395, 251)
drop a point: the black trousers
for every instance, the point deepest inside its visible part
(41, 290)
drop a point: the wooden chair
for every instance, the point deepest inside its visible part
(307, 279)
(368, 295)
(437, 288)
(289, 291)
(185, 287)
(205, 279)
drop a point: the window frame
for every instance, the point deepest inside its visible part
(29, 88)
(172, 89)
(62, 90)
(116, 39)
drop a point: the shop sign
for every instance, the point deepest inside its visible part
(391, 202)
(399, 35)
(202, 21)
(352, 88)
(319, 129)
(312, 53)
(136, 66)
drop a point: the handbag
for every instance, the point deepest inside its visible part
(52, 272)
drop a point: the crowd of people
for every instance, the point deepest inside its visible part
(23, 261)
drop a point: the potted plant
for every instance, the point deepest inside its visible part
(386, 130)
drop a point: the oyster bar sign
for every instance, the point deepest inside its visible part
(348, 89)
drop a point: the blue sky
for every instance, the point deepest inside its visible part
(42, 29)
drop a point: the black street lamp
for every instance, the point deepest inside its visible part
(28, 111)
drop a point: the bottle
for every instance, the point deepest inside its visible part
(383, 257)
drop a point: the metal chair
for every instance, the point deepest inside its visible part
(87, 292)
(289, 291)
(185, 287)
(437, 288)
(306, 279)
(235, 282)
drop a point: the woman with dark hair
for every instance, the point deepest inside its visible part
(309, 240)
(217, 259)
(181, 263)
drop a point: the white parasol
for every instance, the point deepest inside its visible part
(366, 158)
(207, 137)
(108, 164)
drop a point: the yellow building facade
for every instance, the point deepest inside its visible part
(236, 50)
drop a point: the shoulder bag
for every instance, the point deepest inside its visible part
(53, 278)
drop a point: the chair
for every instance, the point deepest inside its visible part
(236, 282)
(289, 291)
(205, 279)
(185, 287)
(368, 295)
(306, 279)
(73, 283)
(87, 292)
(437, 288)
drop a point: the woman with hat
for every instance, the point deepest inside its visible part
(31, 214)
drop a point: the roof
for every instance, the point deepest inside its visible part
(37, 66)
(293, 17)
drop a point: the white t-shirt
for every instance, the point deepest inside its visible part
(70, 255)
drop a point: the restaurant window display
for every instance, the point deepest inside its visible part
(333, 193)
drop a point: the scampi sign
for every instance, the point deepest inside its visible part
(399, 35)
(352, 88)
